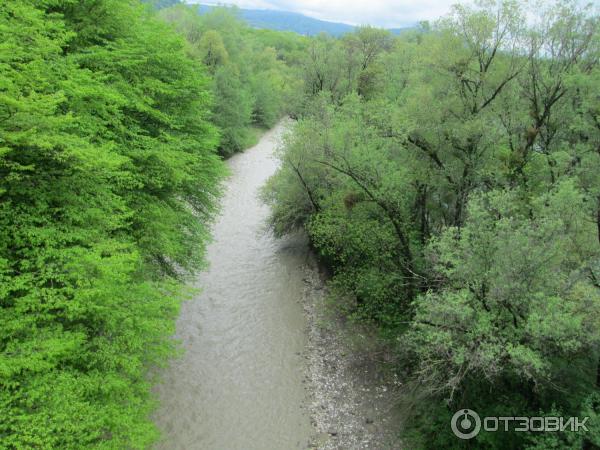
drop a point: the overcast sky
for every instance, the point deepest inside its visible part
(384, 13)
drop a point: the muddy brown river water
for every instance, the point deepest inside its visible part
(239, 384)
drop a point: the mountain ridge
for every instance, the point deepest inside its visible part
(292, 21)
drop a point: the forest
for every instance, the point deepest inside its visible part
(111, 131)
(447, 177)
(450, 180)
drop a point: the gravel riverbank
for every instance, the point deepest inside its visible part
(351, 395)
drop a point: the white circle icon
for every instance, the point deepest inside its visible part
(465, 424)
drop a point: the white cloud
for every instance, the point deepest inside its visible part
(385, 13)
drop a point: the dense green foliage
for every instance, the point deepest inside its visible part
(253, 77)
(450, 178)
(108, 181)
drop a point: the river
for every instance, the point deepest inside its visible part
(239, 384)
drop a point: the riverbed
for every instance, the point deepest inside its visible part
(239, 384)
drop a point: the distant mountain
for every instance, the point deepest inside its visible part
(289, 21)
(160, 4)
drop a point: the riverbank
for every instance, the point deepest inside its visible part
(352, 393)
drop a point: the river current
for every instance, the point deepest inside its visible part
(239, 384)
